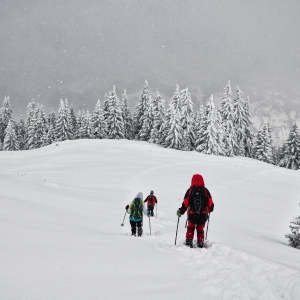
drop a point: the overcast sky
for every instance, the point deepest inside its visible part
(80, 48)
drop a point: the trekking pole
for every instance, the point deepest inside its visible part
(176, 231)
(156, 210)
(123, 220)
(149, 224)
(207, 226)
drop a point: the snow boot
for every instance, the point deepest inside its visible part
(200, 245)
(133, 231)
(140, 231)
(189, 243)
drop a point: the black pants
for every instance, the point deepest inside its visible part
(150, 208)
(135, 225)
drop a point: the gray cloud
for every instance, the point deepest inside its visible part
(79, 49)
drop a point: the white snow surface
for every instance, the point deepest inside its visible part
(62, 207)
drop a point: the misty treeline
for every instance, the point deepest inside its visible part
(225, 131)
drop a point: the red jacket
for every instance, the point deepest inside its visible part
(151, 200)
(196, 181)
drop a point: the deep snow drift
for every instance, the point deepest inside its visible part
(62, 207)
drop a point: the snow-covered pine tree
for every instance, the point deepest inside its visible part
(280, 153)
(294, 237)
(106, 107)
(141, 109)
(79, 122)
(115, 123)
(291, 158)
(187, 120)
(51, 119)
(263, 149)
(99, 125)
(158, 109)
(257, 143)
(145, 133)
(5, 116)
(64, 125)
(86, 130)
(240, 122)
(49, 136)
(127, 117)
(209, 141)
(173, 134)
(31, 114)
(36, 128)
(10, 141)
(198, 120)
(227, 116)
(21, 132)
(41, 126)
(73, 120)
(175, 100)
(248, 135)
(275, 155)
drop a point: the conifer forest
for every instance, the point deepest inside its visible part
(225, 131)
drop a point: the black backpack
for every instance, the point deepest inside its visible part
(137, 208)
(198, 199)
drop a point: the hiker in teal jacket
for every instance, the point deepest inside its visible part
(136, 209)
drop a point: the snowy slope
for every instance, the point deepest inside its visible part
(62, 207)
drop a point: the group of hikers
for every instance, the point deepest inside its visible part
(197, 202)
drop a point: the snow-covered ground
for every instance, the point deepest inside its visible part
(62, 207)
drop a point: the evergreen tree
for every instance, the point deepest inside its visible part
(36, 127)
(145, 133)
(21, 133)
(291, 158)
(115, 123)
(106, 107)
(294, 237)
(158, 110)
(280, 153)
(198, 119)
(52, 119)
(49, 136)
(5, 116)
(127, 117)
(64, 125)
(99, 125)
(210, 139)
(175, 100)
(10, 141)
(79, 123)
(240, 122)
(142, 110)
(73, 120)
(187, 119)
(86, 130)
(41, 126)
(227, 116)
(248, 134)
(30, 119)
(173, 130)
(263, 149)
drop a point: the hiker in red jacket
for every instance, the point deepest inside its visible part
(151, 201)
(199, 204)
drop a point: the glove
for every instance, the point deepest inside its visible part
(212, 208)
(127, 206)
(178, 212)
